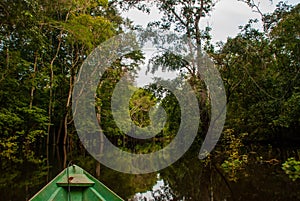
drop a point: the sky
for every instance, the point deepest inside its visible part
(225, 19)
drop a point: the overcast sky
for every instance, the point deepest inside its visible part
(225, 19)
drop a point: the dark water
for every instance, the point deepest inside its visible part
(262, 179)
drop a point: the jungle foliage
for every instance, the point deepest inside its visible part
(44, 43)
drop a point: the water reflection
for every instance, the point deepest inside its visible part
(188, 179)
(261, 180)
(160, 189)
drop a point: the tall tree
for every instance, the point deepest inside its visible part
(43, 44)
(260, 71)
(184, 18)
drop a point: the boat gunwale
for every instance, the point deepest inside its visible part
(63, 173)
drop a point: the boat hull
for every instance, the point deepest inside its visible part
(75, 184)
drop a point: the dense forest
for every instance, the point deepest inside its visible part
(44, 43)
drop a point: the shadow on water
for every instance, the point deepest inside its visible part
(188, 179)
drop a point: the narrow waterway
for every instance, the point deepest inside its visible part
(262, 179)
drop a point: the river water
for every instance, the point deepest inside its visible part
(262, 179)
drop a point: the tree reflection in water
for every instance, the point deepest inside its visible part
(189, 179)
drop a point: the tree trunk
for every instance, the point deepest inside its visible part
(101, 144)
(50, 107)
(68, 104)
(59, 131)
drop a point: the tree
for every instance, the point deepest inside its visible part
(43, 44)
(260, 71)
(183, 17)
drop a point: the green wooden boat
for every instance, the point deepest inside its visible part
(75, 184)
